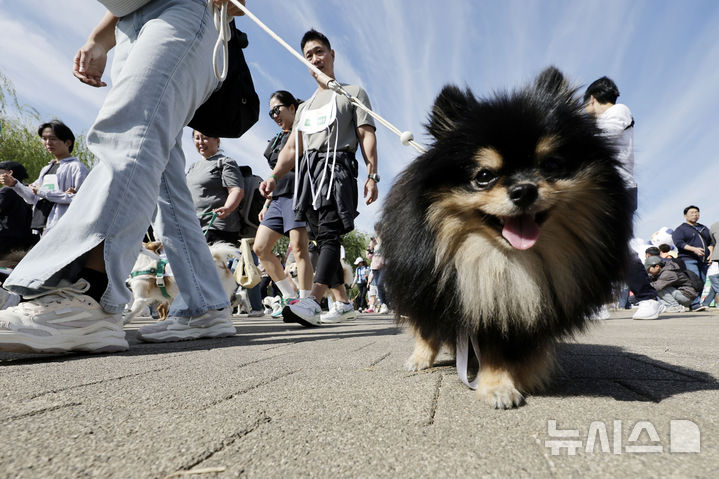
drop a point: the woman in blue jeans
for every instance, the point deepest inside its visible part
(73, 281)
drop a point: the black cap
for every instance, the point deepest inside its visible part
(18, 171)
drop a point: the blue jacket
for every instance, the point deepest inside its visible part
(697, 235)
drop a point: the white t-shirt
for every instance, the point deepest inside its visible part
(617, 123)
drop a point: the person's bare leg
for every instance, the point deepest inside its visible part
(265, 240)
(318, 291)
(340, 293)
(299, 241)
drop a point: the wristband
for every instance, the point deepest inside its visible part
(275, 177)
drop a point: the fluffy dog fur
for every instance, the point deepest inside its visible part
(511, 228)
(144, 287)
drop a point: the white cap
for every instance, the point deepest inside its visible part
(358, 260)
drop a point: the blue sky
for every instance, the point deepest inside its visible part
(664, 56)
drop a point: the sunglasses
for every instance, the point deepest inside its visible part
(275, 111)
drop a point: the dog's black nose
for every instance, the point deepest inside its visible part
(523, 194)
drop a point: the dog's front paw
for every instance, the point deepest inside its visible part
(418, 362)
(501, 396)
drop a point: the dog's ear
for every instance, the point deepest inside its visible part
(449, 108)
(552, 82)
(155, 246)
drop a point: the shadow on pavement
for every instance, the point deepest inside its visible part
(610, 371)
(249, 333)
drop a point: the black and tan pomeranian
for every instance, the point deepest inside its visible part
(511, 228)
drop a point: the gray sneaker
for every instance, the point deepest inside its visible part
(8, 299)
(212, 324)
(61, 320)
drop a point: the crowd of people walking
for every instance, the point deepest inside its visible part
(82, 229)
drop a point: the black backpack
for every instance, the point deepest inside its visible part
(233, 108)
(695, 281)
(251, 204)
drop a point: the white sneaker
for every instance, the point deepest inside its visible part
(676, 309)
(212, 324)
(8, 299)
(383, 309)
(649, 309)
(339, 313)
(306, 311)
(61, 320)
(603, 313)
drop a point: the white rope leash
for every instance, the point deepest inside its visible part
(462, 353)
(223, 28)
(406, 137)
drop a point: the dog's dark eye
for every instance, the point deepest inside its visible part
(485, 178)
(552, 165)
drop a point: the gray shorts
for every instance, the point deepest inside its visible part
(280, 216)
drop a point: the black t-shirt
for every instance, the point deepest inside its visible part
(43, 206)
(286, 185)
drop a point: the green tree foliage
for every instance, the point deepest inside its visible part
(19, 140)
(355, 243)
(281, 247)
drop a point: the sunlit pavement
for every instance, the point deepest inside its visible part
(281, 400)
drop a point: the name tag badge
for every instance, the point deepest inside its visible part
(319, 119)
(49, 182)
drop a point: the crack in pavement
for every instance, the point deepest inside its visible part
(379, 360)
(362, 347)
(637, 391)
(255, 386)
(38, 412)
(435, 399)
(92, 383)
(666, 368)
(225, 443)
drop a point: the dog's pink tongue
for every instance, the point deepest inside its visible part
(521, 231)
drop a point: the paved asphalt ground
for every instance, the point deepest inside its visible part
(280, 400)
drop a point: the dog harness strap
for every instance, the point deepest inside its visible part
(160, 276)
(463, 356)
(159, 273)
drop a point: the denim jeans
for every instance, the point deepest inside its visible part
(162, 71)
(700, 269)
(714, 281)
(673, 297)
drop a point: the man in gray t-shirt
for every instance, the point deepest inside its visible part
(327, 130)
(348, 117)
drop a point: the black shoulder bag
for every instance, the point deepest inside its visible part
(233, 108)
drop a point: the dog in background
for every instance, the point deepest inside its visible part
(510, 229)
(346, 270)
(146, 289)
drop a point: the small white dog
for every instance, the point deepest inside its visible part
(151, 279)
